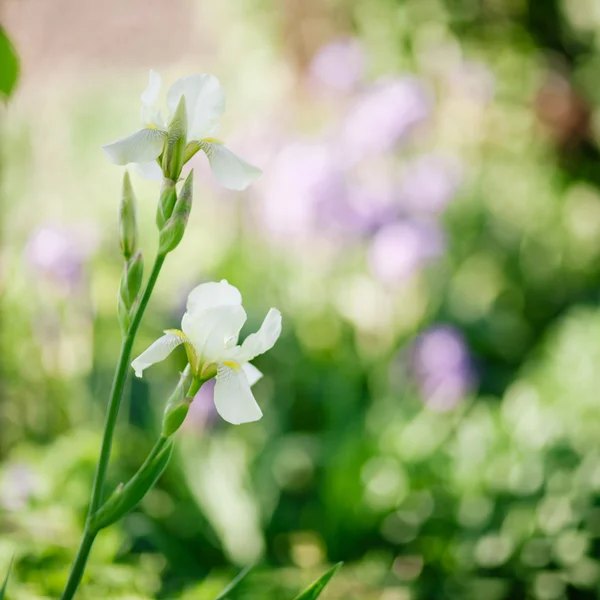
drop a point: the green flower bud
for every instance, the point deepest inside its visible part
(172, 232)
(177, 406)
(174, 151)
(166, 202)
(127, 218)
(175, 416)
(131, 283)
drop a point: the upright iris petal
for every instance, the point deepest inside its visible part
(151, 114)
(205, 102)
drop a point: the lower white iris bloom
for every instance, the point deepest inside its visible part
(209, 331)
(205, 103)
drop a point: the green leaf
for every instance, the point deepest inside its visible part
(127, 497)
(314, 591)
(5, 584)
(234, 583)
(9, 65)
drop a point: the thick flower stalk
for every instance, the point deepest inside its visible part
(204, 105)
(209, 332)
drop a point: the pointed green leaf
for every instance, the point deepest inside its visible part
(5, 584)
(9, 65)
(127, 497)
(223, 595)
(314, 590)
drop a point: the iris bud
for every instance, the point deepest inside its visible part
(172, 232)
(173, 155)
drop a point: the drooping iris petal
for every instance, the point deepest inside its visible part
(158, 351)
(214, 330)
(252, 373)
(204, 99)
(139, 147)
(233, 398)
(230, 170)
(264, 339)
(149, 170)
(211, 294)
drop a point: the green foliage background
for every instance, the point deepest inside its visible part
(498, 498)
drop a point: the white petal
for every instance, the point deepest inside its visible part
(264, 339)
(204, 100)
(158, 351)
(152, 118)
(149, 170)
(209, 295)
(230, 170)
(139, 147)
(252, 373)
(150, 94)
(233, 398)
(214, 330)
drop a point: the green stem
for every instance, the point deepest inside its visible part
(114, 403)
(79, 564)
(116, 392)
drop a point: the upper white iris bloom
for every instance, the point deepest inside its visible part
(210, 330)
(205, 103)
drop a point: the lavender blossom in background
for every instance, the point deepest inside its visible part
(294, 185)
(383, 116)
(339, 65)
(202, 413)
(441, 365)
(19, 483)
(430, 183)
(400, 249)
(355, 209)
(58, 254)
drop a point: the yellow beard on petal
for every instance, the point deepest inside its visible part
(232, 365)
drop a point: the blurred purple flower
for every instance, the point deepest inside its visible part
(383, 116)
(302, 174)
(400, 249)
(202, 411)
(18, 485)
(442, 367)
(356, 209)
(58, 254)
(339, 65)
(430, 183)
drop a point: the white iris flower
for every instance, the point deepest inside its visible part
(205, 103)
(209, 331)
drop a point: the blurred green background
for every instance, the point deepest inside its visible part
(428, 222)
